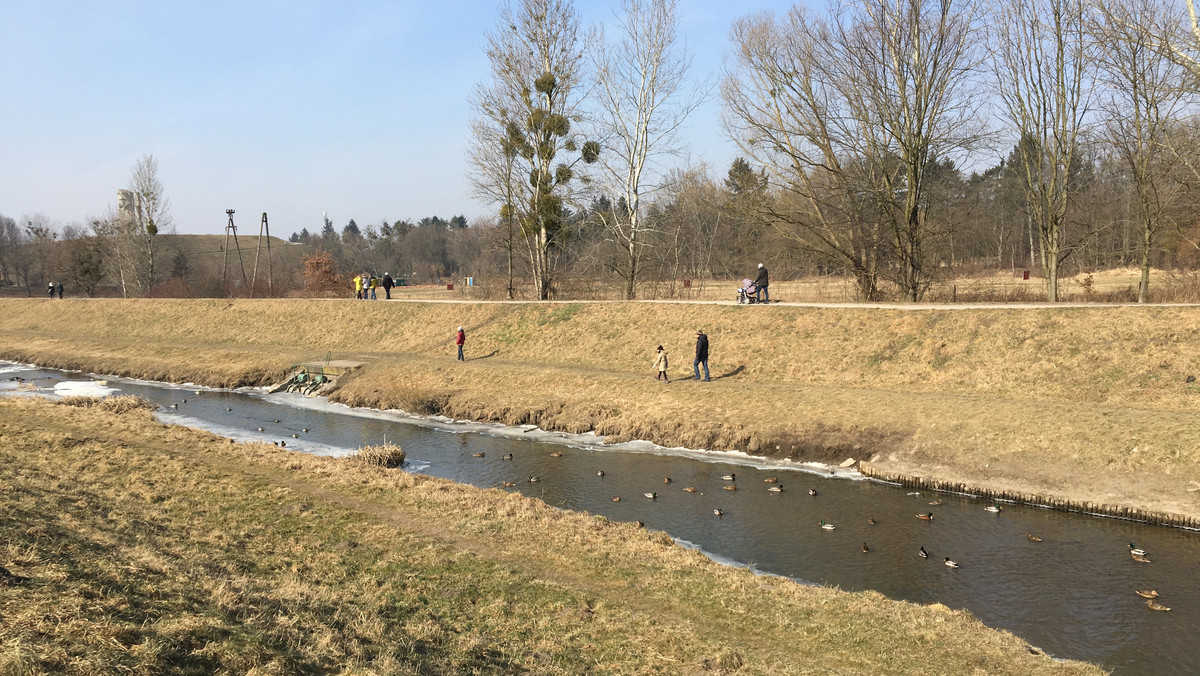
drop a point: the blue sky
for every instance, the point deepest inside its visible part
(358, 109)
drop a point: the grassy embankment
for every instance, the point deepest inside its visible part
(1084, 403)
(152, 549)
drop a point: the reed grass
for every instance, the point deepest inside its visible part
(159, 549)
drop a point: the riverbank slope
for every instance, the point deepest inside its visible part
(136, 546)
(1082, 404)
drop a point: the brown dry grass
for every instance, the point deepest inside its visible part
(155, 549)
(1083, 403)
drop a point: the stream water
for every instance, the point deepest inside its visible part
(1072, 594)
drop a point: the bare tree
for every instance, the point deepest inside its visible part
(643, 100)
(533, 99)
(1142, 103)
(1043, 67)
(151, 216)
(493, 156)
(849, 114)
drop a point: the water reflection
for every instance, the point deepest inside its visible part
(1071, 594)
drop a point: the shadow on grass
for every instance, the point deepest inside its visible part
(736, 371)
(493, 353)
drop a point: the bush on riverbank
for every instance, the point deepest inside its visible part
(385, 455)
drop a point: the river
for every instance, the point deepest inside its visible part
(1071, 594)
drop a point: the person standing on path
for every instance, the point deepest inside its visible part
(660, 363)
(60, 290)
(358, 287)
(388, 283)
(760, 283)
(701, 355)
(51, 289)
(374, 285)
(460, 339)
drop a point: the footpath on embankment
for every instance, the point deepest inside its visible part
(1084, 407)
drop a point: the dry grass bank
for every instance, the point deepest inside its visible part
(150, 548)
(1083, 403)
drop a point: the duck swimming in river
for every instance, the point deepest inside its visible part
(506, 456)
(731, 487)
(651, 496)
(1136, 551)
(994, 509)
(950, 563)
(689, 489)
(729, 477)
(812, 492)
(771, 479)
(1034, 538)
(866, 549)
(926, 517)
(776, 489)
(1146, 593)
(923, 554)
(871, 521)
(1154, 605)
(718, 512)
(827, 526)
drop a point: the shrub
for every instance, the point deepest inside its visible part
(385, 455)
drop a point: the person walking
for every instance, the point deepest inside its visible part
(701, 355)
(366, 286)
(51, 289)
(388, 283)
(460, 339)
(374, 285)
(358, 287)
(60, 290)
(760, 283)
(660, 363)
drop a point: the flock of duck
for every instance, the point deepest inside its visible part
(1137, 554)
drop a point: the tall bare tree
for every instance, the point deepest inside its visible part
(1142, 102)
(643, 98)
(849, 114)
(1043, 63)
(152, 215)
(532, 100)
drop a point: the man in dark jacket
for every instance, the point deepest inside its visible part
(761, 282)
(388, 283)
(701, 355)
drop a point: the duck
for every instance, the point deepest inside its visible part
(1146, 593)
(719, 512)
(926, 517)
(283, 444)
(477, 455)
(1139, 558)
(666, 480)
(923, 554)
(866, 549)
(508, 484)
(295, 436)
(600, 473)
(174, 405)
(277, 420)
(1034, 538)
(827, 526)
(185, 401)
(729, 477)
(616, 498)
(639, 523)
(731, 487)
(556, 454)
(1154, 605)
(506, 456)
(651, 496)
(533, 479)
(771, 479)
(951, 563)
(304, 430)
(260, 429)
(776, 489)
(994, 509)
(689, 489)
(1137, 551)
(812, 492)
(871, 521)
(227, 408)
(936, 503)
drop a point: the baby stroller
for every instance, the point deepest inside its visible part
(747, 293)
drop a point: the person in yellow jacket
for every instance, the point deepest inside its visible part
(358, 287)
(374, 285)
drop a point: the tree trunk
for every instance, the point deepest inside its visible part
(1144, 284)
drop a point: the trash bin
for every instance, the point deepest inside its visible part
(1025, 275)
